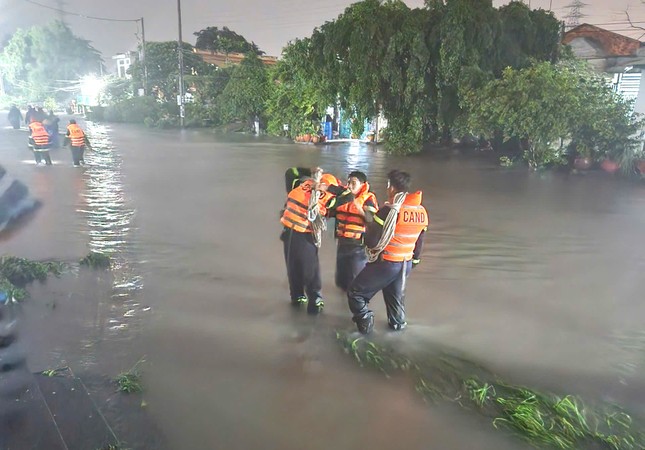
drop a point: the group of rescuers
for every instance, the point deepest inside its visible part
(40, 141)
(377, 247)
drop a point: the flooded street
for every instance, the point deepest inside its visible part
(537, 276)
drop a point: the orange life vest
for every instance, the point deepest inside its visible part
(295, 211)
(350, 223)
(411, 221)
(76, 135)
(39, 134)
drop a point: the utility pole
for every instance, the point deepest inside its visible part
(180, 52)
(143, 58)
(61, 10)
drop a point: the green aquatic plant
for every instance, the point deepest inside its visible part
(541, 419)
(21, 271)
(53, 372)
(96, 260)
(130, 381)
(16, 273)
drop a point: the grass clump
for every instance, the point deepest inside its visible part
(130, 381)
(542, 420)
(54, 372)
(96, 260)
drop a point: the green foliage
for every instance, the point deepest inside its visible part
(16, 273)
(163, 70)
(293, 96)
(95, 260)
(245, 94)
(145, 110)
(224, 40)
(130, 381)
(544, 104)
(540, 419)
(46, 61)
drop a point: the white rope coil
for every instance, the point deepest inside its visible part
(388, 228)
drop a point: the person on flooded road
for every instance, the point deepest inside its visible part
(39, 141)
(304, 220)
(77, 142)
(394, 244)
(14, 117)
(351, 219)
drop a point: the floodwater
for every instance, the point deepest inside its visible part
(536, 276)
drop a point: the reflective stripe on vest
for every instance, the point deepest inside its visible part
(39, 134)
(295, 212)
(350, 222)
(411, 221)
(76, 135)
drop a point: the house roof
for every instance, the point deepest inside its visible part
(609, 43)
(223, 60)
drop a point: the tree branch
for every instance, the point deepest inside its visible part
(629, 19)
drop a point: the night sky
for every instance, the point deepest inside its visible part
(270, 24)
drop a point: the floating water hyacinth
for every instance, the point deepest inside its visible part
(96, 260)
(541, 419)
(16, 273)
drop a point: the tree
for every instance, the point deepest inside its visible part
(48, 61)
(163, 68)
(224, 40)
(546, 104)
(245, 93)
(293, 96)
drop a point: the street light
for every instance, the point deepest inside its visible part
(180, 99)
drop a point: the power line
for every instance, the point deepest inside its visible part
(62, 11)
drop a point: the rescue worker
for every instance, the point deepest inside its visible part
(39, 141)
(394, 241)
(300, 238)
(77, 142)
(351, 219)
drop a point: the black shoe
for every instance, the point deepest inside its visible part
(298, 301)
(316, 306)
(365, 324)
(397, 326)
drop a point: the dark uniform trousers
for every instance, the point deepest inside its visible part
(77, 154)
(41, 153)
(380, 275)
(350, 260)
(303, 267)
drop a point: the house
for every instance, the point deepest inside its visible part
(223, 59)
(620, 58)
(123, 62)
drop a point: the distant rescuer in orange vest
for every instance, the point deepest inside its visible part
(39, 141)
(351, 219)
(303, 220)
(77, 142)
(394, 243)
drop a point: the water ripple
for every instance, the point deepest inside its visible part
(110, 226)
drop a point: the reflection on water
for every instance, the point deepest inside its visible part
(536, 276)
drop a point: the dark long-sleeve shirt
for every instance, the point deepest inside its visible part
(375, 230)
(293, 175)
(341, 195)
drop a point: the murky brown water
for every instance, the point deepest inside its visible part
(538, 276)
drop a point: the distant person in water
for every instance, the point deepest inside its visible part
(77, 142)
(14, 117)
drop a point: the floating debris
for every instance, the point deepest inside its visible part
(96, 260)
(16, 273)
(540, 419)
